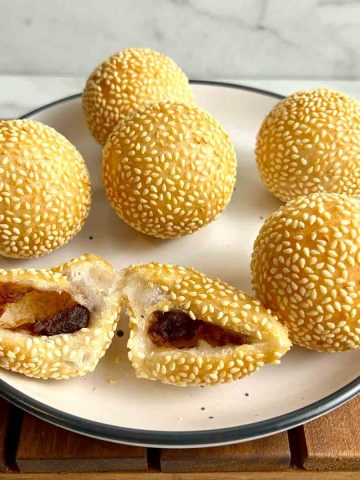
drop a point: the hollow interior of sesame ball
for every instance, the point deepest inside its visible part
(157, 327)
(40, 312)
(176, 329)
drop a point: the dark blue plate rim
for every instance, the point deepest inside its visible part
(247, 88)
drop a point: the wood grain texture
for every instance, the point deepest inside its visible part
(286, 475)
(46, 448)
(271, 453)
(332, 442)
(4, 418)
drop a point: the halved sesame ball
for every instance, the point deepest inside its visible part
(169, 169)
(305, 268)
(127, 81)
(310, 142)
(45, 190)
(187, 329)
(58, 323)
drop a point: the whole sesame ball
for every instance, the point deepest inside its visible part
(126, 82)
(310, 142)
(45, 189)
(305, 268)
(169, 169)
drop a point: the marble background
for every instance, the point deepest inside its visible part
(261, 39)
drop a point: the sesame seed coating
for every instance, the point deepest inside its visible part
(305, 268)
(127, 81)
(66, 355)
(310, 142)
(169, 287)
(45, 190)
(169, 169)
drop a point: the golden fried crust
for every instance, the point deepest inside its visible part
(66, 355)
(216, 302)
(45, 190)
(128, 81)
(305, 267)
(169, 169)
(85, 259)
(310, 142)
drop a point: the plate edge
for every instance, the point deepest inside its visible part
(178, 439)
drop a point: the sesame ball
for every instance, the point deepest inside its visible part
(305, 268)
(87, 281)
(45, 189)
(169, 169)
(128, 81)
(310, 142)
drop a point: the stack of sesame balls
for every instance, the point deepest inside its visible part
(169, 168)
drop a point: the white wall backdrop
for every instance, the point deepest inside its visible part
(305, 39)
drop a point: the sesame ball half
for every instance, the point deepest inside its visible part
(310, 142)
(169, 169)
(305, 268)
(127, 81)
(241, 335)
(45, 190)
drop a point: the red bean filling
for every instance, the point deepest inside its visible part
(176, 329)
(69, 320)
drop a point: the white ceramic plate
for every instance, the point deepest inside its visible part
(305, 385)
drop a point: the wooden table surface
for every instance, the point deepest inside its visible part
(327, 448)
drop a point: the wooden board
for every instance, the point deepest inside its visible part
(46, 448)
(271, 453)
(332, 442)
(288, 475)
(4, 416)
